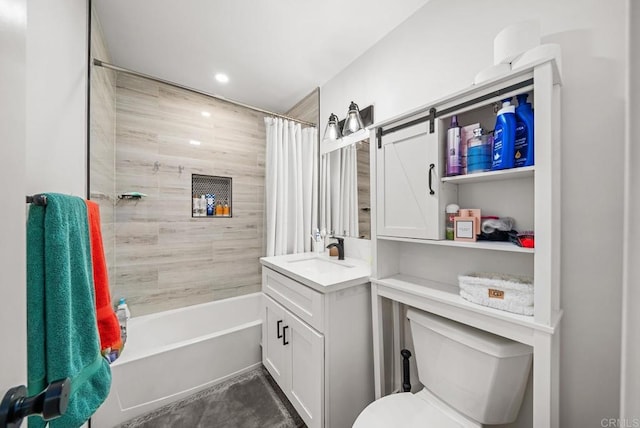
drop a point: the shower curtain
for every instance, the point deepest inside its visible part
(291, 186)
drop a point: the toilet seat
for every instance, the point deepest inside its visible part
(407, 410)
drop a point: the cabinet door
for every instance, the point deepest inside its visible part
(405, 205)
(306, 392)
(275, 356)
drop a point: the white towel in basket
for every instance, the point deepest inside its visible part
(510, 293)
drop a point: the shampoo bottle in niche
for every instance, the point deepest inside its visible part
(453, 148)
(211, 200)
(504, 137)
(203, 206)
(195, 206)
(123, 315)
(523, 148)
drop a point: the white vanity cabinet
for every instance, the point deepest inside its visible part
(293, 353)
(316, 336)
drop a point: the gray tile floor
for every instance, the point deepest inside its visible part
(251, 400)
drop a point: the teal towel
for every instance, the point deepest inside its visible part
(62, 333)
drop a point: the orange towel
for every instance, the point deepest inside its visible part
(108, 326)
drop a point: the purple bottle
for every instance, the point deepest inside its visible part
(453, 148)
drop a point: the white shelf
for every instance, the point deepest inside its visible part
(505, 174)
(449, 295)
(478, 245)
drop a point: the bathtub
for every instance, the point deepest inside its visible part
(173, 354)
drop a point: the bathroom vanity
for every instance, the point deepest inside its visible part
(316, 335)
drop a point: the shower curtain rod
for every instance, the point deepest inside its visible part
(101, 63)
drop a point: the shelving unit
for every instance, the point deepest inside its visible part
(412, 263)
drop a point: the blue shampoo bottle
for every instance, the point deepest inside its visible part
(523, 155)
(504, 137)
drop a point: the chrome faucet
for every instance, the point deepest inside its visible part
(339, 245)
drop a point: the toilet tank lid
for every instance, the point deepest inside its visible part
(480, 340)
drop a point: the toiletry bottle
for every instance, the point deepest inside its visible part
(225, 208)
(211, 200)
(203, 206)
(219, 208)
(195, 202)
(478, 152)
(453, 148)
(504, 137)
(451, 211)
(523, 148)
(123, 316)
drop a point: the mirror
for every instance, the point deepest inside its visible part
(345, 204)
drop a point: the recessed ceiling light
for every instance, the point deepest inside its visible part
(222, 78)
(205, 114)
(194, 142)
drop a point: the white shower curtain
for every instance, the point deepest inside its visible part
(291, 186)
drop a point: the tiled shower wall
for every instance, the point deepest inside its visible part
(164, 258)
(103, 142)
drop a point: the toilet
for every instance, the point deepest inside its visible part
(471, 378)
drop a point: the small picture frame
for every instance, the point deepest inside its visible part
(476, 213)
(464, 229)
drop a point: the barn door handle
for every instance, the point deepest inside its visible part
(278, 327)
(431, 167)
(49, 404)
(284, 335)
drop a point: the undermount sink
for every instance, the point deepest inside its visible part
(319, 263)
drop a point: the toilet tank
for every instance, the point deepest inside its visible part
(479, 374)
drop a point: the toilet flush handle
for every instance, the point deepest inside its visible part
(406, 377)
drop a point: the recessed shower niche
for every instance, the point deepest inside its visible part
(211, 196)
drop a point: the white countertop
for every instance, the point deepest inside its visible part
(319, 271)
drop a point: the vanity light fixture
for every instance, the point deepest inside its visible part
(353, 122)
(332, 132)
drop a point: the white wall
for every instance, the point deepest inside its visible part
(439, 50)
(13, 363)
(43, 84)
(630, 403)
(56, 96)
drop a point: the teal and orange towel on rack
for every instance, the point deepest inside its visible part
(62, 331)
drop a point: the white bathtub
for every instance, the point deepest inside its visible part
(173, 354)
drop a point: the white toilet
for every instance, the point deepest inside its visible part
(471, 378)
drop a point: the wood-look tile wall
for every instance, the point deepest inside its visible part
(308, 108)
(164, 258)
(364, 190)
(102, 173)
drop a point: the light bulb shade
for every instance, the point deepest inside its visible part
(353, 122)
(332, 132)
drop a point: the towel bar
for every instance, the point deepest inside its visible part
(37, 199)
(49, 404)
